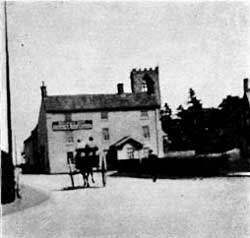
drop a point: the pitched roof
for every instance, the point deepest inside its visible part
(127, 140)
(94, 102)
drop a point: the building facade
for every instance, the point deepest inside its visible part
(108, 118)
(246, 121)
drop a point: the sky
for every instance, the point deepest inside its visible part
(89, 47)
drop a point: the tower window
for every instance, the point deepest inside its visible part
(149, 83)
(144, 87)
(146, 132)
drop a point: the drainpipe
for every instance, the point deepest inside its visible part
(156, 132)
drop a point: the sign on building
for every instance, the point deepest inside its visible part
(72, 125)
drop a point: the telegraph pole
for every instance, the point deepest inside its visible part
(8, 85)
(8, 181)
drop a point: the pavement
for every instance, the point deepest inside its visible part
(30, 197)
(132, 207)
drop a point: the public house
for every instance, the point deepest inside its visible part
(128, 122)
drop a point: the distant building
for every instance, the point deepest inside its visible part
(129, 120)
(246, 90)
(246, 120)
(30, 154)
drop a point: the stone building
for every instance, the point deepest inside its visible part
(246, 120)
(108, 118)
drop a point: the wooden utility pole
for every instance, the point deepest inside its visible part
(8, 181)
(8, 85)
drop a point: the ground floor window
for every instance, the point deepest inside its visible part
(130, 152)
(166, 143)
(105, 134)
(70, 157)
(146, 132)
(69, 137)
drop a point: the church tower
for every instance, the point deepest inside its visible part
(146, 80)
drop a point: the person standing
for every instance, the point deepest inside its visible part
(79, 153)
(81, 161)
(92, 149)
(153, 164)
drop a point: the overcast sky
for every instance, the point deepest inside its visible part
(84, 47)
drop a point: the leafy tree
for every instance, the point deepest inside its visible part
(166, 112)
(191, 121)
(166, 119)
(211, 129)
(193, 102)
(231, 118)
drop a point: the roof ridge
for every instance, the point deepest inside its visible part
(99, 101)
(88, 94)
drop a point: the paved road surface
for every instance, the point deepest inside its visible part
(130, 207)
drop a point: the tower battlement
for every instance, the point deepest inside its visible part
(146, 80)
(145, 70)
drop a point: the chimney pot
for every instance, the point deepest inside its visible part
(120, 88)
(43, 90)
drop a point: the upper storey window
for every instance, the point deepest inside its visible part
(104, 115)
(146, 132)
(144, 114)
(68, 117)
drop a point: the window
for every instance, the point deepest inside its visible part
(70, 157)
(68, 117)
(105, 133)
(146, 133)
(146, 152)
(104, 115)
(144, 87)
(130, 152)
(69, 137)
(144, 114)
(166, 143)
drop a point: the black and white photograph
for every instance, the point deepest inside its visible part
(125, 119)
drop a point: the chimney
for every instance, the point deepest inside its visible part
(120, 88)
(43, 90)
(245, 85)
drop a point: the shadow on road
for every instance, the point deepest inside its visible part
(77, 187)
(185, 176)
(30, 197)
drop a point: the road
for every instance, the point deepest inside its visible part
(133, 207)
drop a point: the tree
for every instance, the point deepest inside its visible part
(193, 102)
(166, 118)
(231, 118)
(191, 121)
(166, 112)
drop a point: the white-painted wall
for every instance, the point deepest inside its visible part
(120, 124)
(123, 153)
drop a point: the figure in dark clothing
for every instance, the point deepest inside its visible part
(91, 155)
(82, 162)
(153, 164)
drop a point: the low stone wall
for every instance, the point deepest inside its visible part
(191, 166)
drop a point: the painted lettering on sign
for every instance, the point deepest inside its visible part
(72, 125)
